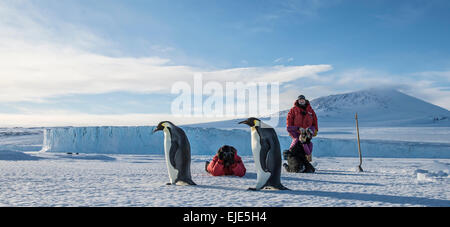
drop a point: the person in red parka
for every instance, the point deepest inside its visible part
(226, 163)
(302, 116)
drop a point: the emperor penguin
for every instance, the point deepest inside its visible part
(267, 155)
(178, 153)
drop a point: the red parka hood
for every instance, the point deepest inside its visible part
(305, 120)
(308, 105)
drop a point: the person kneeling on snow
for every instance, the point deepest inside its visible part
(302, 120)
(226, 163)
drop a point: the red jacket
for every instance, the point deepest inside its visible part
(306, 120)
(216, 167)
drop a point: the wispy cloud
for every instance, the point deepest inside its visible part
(162, 49)
(39, 62)
(302, 10)
(424, 85)
(306, 8)
(278, 60)
(42, 59)
(266, 21)
(283, 60)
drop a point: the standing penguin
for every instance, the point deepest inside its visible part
(267, 155)
(178, 153)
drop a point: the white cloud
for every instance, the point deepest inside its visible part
(281, 60)
(162, 49)
(277, 60)
(441, 75)
(31, 73)
(423, 85)
(428, 86)
(41, 58)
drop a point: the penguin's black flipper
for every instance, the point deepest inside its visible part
(172, 154)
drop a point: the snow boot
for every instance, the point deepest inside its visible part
(286, 167)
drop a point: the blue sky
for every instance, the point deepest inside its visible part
(395, 36)
(58, 54)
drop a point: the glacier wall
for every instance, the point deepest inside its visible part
(138, 140)
(206, 141)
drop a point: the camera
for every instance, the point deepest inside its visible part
(226, 154)
(305, 135)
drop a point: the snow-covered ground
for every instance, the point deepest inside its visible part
(55, 179)
(98, 178)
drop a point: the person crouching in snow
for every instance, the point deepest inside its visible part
(226, 163)
(302, 118)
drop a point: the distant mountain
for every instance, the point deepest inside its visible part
(375, 107)
(379, 107)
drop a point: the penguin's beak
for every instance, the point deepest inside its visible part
(158, 128)
(245, 122)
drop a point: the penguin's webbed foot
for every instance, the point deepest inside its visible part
(275, 188)
(185, 183)
(271, 188)
(252, 189)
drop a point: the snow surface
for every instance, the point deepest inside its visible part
(206, 141)
(55, 179)
(124, 166)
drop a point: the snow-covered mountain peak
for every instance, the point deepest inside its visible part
(373, 98)
(383, 106)
(375, 107)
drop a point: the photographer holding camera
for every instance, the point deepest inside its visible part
(302, 125)
(226, 163)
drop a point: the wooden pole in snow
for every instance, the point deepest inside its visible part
(359, 144)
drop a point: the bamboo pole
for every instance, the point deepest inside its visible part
(359, 144)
